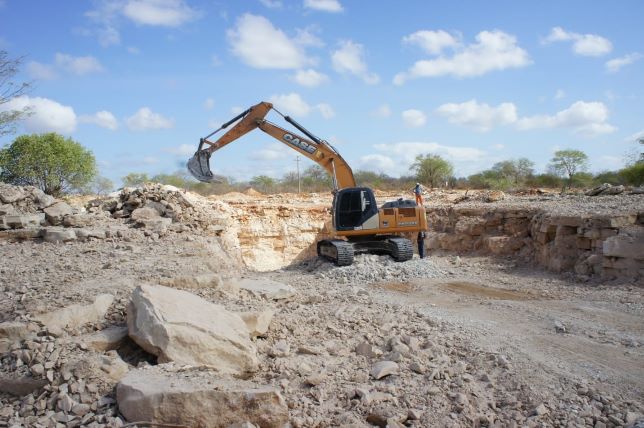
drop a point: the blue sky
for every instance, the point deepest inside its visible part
(140, 81)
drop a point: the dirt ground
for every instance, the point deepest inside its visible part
(479, 341)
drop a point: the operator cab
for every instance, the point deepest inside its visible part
(352, 207)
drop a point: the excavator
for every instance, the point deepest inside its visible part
(359, 226)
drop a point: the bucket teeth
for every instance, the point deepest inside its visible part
(199, 167)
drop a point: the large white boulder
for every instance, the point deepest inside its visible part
(197, 398)
(178, 326)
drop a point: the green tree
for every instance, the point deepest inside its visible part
(263, 182)
(135, 179)
(568, 163)
(102, 185)
(316, 178)
(432, 169)
(51, 162)
(9, 90)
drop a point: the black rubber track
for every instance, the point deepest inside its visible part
(402, 249)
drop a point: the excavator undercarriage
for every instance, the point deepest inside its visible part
(360, 226)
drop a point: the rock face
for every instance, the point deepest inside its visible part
(76, 315)
(197, 399)
(178, 326)
(601, 245)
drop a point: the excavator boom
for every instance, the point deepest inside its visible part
(317, 150)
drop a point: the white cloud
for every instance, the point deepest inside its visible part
(635, 137)
(208, 103)
(310, 78)
(41, 71)
(108, 36)
(498, 146)
(414, 118)
(133, 50)
(395, 158)
(259, 44)
(479, 116)
(325, 110)
(560, 94)
(79, 65)
(585, 118)
(432, 42)
(272, 4)
(493, 51)
(383, 111)
(615, 64)
(306, 37)
(166, 13)
(583, 44)
(332, 6)
(611, 162)
(103, 118)
(291, 104)
(145, 118)
(349, 58)
(46, 115)
(181, 150)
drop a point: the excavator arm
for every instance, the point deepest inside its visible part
(313, 148)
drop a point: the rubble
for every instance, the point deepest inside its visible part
(396, 344)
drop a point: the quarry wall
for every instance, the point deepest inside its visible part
(608, 246)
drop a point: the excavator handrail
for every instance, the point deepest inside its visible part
(316, 149)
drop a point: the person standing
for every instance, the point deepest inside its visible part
(418, 192)
(421, 244)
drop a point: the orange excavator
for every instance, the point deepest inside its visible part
(359, 225)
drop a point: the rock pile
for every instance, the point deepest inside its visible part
(369, 268)
(607, 189)
(159, 208)
(28, 213)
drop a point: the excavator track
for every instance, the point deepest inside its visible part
(402, 249)
(339, 251)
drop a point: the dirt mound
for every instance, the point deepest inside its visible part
(252, 192)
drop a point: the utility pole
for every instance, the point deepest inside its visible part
(299, 187)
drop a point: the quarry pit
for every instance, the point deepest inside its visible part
(527, 312)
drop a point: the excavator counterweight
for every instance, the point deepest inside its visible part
(360, 226)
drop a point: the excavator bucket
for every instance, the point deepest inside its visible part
(199, 167)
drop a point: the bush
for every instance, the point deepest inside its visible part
(634, 174)
(51, 162)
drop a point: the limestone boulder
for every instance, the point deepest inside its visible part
(75, 316)
(107, 339)
(615, 190)
(179, 326)
(20, 386)
(58, 234)
(257, 322)
(56, 213)
(197, 398)
(10, 194)
(266, 288)
(598, 190)
(21, 221)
